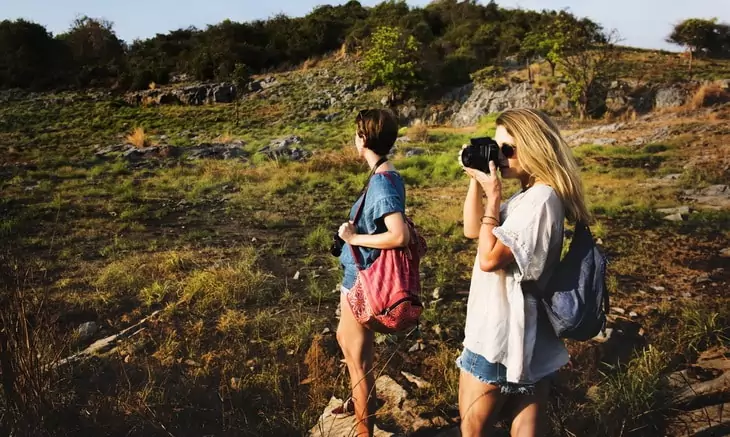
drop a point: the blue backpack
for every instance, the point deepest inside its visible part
(576, 298)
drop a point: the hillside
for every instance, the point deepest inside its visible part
(207, 233)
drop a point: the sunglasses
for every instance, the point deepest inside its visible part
(508, 150)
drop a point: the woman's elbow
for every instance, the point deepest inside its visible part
(400, 239)
(470, 234)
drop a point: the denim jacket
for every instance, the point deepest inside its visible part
(385, 195)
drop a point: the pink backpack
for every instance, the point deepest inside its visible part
(385, 297)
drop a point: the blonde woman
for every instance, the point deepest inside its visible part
(509, 352)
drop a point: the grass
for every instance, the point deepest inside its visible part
(239, 344)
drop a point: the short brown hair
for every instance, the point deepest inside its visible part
(379, 128)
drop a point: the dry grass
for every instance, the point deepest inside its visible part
(225, 138)
(708, 95)
(138, 138)
(311, 63)
(419, 133)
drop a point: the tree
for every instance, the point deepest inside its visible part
(700, 36)
(29, 56)
(589, 64)
(392, 60)
(564, 33)
(97, 52)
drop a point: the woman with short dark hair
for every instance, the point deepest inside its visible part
(380, 225)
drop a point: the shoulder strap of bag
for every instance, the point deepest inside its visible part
(380, 162)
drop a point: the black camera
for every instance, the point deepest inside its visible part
(478, 154)
(337, 244)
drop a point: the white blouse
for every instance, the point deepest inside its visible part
(501, 321)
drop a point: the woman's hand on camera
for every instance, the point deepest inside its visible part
(347, 231)
(490, 183)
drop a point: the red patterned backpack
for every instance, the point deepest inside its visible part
(385, 297)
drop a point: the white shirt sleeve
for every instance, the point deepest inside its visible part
(529, 230)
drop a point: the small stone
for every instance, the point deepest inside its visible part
(437, 330)
(192, 363)
(296, 276)
(725, 253)
(87, 330)
(681, 210)
(417, 347)
(599, 242)
(253, 240)
(128, 359)
(674, 217)
(618, 310)
(656, 288)
(633, 314)
(326, 331)
(703, 278)
(604, 336)
(436, 293)
(235, 383)
(687, 294)
(642, 332)
(418, 381)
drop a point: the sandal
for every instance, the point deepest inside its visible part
(346, 409)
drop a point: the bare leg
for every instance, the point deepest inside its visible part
(356, 343)
(479, 405)
(530, 412)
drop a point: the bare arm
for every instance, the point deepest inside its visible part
(493, 254)
(396, 236)
(473, 209)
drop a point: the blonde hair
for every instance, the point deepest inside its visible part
(544, 155)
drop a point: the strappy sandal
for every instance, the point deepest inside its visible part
(346, 409)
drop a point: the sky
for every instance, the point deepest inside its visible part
(641, 23)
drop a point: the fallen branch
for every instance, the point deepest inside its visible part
(106, 344)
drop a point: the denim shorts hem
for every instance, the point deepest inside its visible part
(491, 373)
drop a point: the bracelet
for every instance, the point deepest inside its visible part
(496, 222)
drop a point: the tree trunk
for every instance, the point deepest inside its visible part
(529, 71)
(690, 61)
(552, 68)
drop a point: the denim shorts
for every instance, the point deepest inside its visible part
(490, 373)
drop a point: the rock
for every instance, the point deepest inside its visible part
(296, 276)
(703, 278)
(604, 336)
(417, 380)
(417, 347)
(605, 141)
(656, 288)
(708, 421)
(329, 426)
(714, 196)
(436, 293)
(281, 147)
(403, 139)
(633, 314)
(687, 295)
(618, 310)
(670, 97)
(683, 210)
(415, 152)
(236, 383)
(725, 253)
(217, 151)
(674, 217)
(474, 101)
(87, 330)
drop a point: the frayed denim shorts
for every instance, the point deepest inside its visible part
(491, 373)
